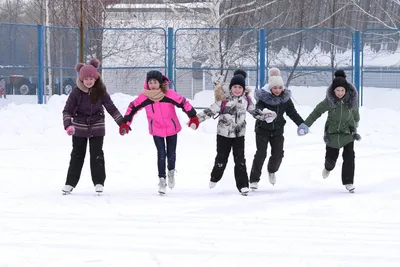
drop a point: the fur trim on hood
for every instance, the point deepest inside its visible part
(222, 91)
(269, 98)
(351, 97)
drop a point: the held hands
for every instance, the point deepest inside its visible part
(194, 123)
(269, 115)
(302, 130)
(124, 129)
(70, 130)
(265, 115)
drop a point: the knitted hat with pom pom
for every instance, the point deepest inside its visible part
(239, 77)
(274, 78)
(340, 80)
(89, 70)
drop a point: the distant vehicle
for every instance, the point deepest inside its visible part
(19, 85)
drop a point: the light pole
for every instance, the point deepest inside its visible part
(82, 34)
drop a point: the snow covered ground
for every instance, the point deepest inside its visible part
(302, 221)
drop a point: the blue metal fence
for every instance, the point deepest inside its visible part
(376, 43)
(205, 56)
(309, 56)
(127, 54)
(19, 58)
(40, 60)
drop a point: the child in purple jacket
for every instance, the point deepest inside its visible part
(84, 119)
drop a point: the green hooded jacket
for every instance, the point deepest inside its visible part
(343, 117)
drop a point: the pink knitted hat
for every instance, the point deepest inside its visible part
(89, 70)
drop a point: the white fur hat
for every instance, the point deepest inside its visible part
(274, 78)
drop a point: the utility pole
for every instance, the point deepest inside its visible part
(82, 34)
(49, 89)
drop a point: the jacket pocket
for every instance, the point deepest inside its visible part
(151, 126)
(173, 122)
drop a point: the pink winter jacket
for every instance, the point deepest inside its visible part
(161, 115)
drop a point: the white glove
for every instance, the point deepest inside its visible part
(269, 115)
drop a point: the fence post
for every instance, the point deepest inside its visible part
(170, 63)
(262, 57)
(357, 65)
(40, 36)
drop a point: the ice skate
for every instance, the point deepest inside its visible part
(254, 185)
(162, 186)
(272, 178)
(171, 179)
(99, 188)
(244, 191)
(350, 187)
(67, 189)
(325, 173)
(212, 184)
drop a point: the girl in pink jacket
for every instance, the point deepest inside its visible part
(160, 102)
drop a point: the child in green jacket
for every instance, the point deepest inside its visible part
(341, 102)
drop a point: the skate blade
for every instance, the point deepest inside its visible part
(66, 193)
(244, 194)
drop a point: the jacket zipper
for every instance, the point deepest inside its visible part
(277, 112)
(340, 121)
(91, 114)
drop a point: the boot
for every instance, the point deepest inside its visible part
(272, 178)
(162, 186)
(171, 179)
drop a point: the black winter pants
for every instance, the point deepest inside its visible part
(224, 146)
(97, 168)
(275, 160)
(348, 165)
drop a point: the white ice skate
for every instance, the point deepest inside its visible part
(162, 186)
(325, 173)
(244, 191)
(67, 189)
(212, 184)
(350, 187)
(99, 188)
(171, 179)
(272, 178)
(254, 185)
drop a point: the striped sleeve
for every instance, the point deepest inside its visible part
(69, 108)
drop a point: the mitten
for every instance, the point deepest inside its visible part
(194, 123)
(302, 129)
(70, 130)
(269, 115)
(326, 138)
(357, 137)
(124, 129)
(258, 115)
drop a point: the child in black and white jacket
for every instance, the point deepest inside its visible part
(232, 103)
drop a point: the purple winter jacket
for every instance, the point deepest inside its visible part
(87, 118)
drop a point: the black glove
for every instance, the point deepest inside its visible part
(326, 138)
(356, 136)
